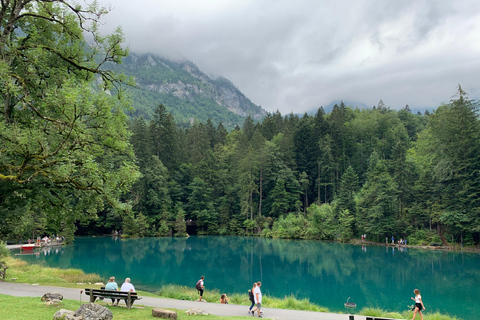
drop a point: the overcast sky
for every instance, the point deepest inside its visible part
(298, 55)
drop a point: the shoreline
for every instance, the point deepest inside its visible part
(354, 241)
(440, 248)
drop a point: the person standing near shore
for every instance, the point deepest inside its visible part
(258, 298)
(418, 304)
(200, 286)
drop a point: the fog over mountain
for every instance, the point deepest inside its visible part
(297, 56)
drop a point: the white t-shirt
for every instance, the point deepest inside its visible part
(127, 286)
(417, 299)
(257, 290)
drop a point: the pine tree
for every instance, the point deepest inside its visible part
(180, 224)
(163, 134)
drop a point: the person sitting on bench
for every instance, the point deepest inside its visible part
(127, 286)
(112, 285)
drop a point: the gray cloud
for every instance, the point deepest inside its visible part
(299, 55)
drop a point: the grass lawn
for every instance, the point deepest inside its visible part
(27, 308)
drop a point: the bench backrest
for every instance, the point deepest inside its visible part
(103, 292)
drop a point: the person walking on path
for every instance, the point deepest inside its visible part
(251, 297)
(258, 298)
(200, 286)
(418, 304)
(127, 286)
(112, 285)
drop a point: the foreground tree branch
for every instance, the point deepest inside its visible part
(62, 135)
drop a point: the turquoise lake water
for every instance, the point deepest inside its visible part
(326, 273)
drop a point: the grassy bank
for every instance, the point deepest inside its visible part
(32, 273)
(288, 302)
(35, 273)
(189, 293)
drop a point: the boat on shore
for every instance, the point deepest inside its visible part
(28, 247)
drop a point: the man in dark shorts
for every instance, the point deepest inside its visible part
(200, 287)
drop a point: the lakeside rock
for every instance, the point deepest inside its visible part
(63, 314)
(92, 311)
(52, 296)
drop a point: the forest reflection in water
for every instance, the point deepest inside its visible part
(325, 273)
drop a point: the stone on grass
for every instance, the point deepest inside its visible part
(92, 311)
(196, 312)
(62, 314)
(54, 302)
(165, 314)
(52, 296)
(99, 284)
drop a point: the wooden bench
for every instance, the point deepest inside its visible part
(129, 297)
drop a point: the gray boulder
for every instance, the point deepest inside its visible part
(62, 314)
(52, 296)
(92, 311)
(54, 302)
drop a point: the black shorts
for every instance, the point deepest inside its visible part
(419, 306)
(200, 291)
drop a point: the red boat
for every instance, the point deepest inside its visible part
(27, 247)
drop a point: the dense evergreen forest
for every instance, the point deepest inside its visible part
(378, 172)
(71, 161)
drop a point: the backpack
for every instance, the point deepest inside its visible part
(250, 295)
(199, 285)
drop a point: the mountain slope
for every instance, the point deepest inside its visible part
(185, 91)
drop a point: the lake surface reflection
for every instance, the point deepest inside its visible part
(326, 273)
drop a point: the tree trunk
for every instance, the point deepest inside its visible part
(319, 179)
(261, 186)
(251, 205)
(8, 109)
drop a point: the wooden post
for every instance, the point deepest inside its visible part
(129, 300)
(92, 299)
(4, 272)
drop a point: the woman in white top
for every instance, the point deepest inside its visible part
(418, 304)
